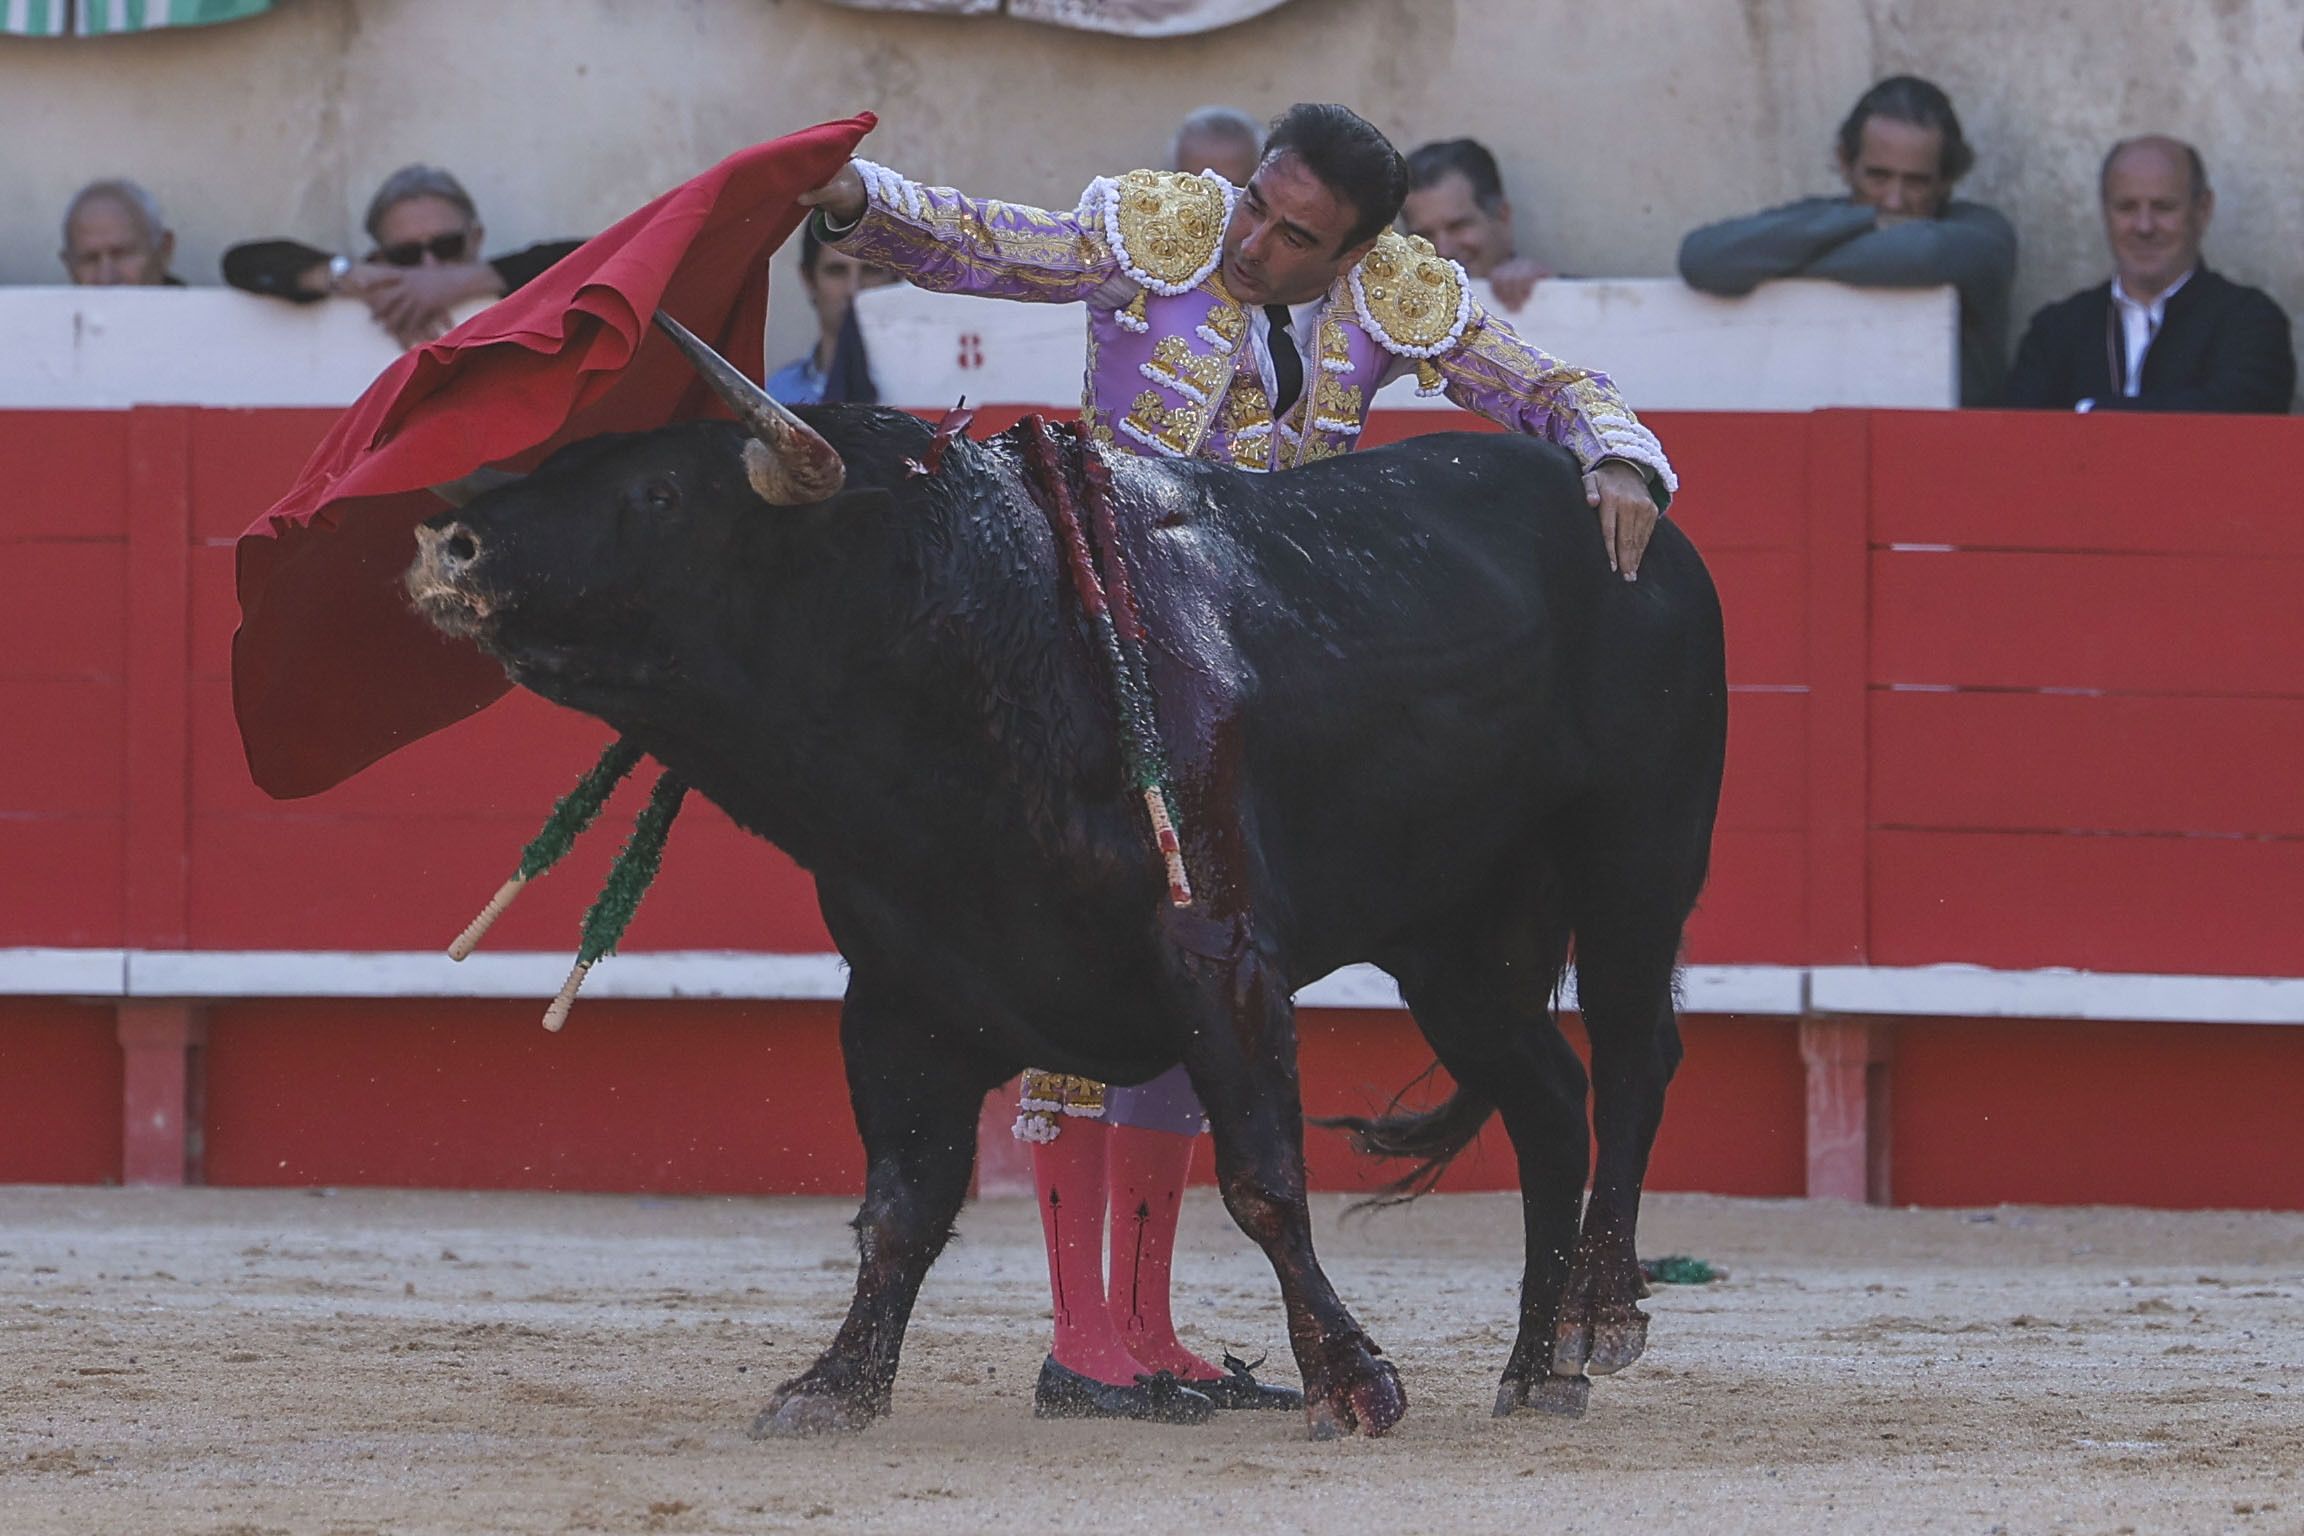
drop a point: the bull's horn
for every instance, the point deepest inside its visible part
(788, 462)
(478, 483)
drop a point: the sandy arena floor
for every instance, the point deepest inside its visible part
(225, 1363)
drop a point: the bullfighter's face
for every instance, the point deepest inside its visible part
(1285, 243)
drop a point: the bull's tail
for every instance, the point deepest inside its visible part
(1433, 1137)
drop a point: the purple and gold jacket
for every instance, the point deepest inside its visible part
(1170, 366)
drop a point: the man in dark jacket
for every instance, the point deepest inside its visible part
(2165, 334)
(424, 262)
(1901, 152)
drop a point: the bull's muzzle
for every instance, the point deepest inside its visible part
(439, 580)
(787, 461)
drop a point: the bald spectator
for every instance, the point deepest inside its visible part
(1225, 140)
(1900, 152)
(2165, 334)
(114, 236)
(1456, 200)
(424, 261)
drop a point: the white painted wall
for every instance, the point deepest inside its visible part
(1793, 346)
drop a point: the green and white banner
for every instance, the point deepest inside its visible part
(106, 18)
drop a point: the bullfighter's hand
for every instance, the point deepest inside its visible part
(841, 198)
(1627, 513)
(1512, 281)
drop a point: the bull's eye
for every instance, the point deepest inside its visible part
(661, 496)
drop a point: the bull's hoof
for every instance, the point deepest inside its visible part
(1561, 1396)
(1617, 1342)
(797, 1414)
(1598, 1337)
(1370, 1402)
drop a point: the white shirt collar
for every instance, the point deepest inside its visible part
(2159, 306)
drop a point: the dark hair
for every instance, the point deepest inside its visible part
(1909, 99)
(1349, 156)
(1468, 158)
(2199, 166)
(811, 246)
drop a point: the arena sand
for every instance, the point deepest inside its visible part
(225, 1363)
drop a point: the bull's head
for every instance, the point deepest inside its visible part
(578, 575)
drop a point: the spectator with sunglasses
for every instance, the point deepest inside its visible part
(424, 260)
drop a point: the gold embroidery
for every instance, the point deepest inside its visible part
(1191, 374)
(1227, 321)
(1061, 1092)
(1171, 223)
(1173, 427)
(1410, 291)
(1247, 419)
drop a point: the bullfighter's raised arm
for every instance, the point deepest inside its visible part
(942, 240)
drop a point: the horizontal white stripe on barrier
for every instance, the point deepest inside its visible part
(1944, 991)
(1973, 992)
(428, 973)
(64, 972)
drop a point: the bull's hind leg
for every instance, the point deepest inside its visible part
(1627, 943)
(1486, 1009)
(1242, 1061)
(916, 1104)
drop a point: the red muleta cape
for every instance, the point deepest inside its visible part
(330, 668)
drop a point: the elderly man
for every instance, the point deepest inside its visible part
(114, 236)
(1250, 325)
(1225, 140)
(424, 261)
(2166, 333)
(1900, 152)
(1456, 200)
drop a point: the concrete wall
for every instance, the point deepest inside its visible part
(1621, 124)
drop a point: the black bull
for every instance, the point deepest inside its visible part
(1412, 719)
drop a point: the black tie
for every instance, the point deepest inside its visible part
(1287, 366)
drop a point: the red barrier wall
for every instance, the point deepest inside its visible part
(2021, 691)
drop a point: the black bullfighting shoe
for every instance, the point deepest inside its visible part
(1241, 1389)
(1159, 1398)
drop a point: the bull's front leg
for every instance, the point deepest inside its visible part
(1242, 1061)
(916, 1103)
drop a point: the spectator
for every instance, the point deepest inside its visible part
(2165, 334)
(114, 236)
(1901, 152)
(1220, 139)
(836, 368)
(1456, 200)
(424, 260)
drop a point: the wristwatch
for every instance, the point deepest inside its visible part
(339, 268)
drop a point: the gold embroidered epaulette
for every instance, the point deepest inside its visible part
(1410, 297)
(1167, 227)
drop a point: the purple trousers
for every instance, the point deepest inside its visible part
(1167, 1103)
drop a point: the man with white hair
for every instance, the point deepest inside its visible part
(114, 236)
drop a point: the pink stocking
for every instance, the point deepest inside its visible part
(1069, 1175)
(1148, 1173)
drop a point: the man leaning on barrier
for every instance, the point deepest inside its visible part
(1900, 151)
(423, 262)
